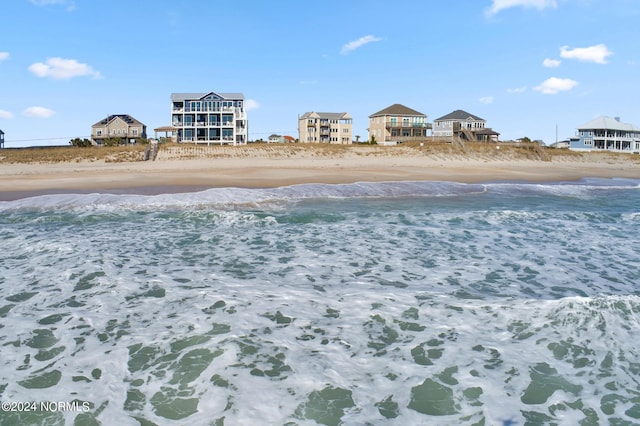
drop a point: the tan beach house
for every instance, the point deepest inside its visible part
(397, 123)
(122, 126)
(461, 124)
(325, 127)
(209, 117)
(606, 134)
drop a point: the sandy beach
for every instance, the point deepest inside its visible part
(180, 169)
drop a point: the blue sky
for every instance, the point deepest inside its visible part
(525, 66)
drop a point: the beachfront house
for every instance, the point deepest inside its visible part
(606, 134)
(1, 139)
(397, 123)
(461, 124)
(274, 138)
(119, 126)
(209, 117)
(325, 127)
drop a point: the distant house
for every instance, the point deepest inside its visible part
(463, 125)
(561, 144)
(606, 134)
(122, 126)
(275, 139)
(1, 139)
(397, 123)
(325, 127)
(289, 139)
(209, 117)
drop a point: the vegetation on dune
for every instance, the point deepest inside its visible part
(72, 154)
(78, 151)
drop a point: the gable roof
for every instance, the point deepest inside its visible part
(124, 117)
(326, 115)
(608, 123)
(460, 115)
(397, 109)
(486, 131)
(178, 97)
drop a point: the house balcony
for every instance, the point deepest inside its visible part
(398, 125)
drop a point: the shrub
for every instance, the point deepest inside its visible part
(83, 143)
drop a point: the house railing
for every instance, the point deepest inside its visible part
(392, 124)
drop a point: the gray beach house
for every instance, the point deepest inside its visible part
(463, 125)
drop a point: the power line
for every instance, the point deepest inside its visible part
(45, 139)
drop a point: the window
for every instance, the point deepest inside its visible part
(98, 132)
(134, 132)
(588, 141)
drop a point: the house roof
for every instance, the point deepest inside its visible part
(397, 109)
(199, 95)
(460, 115)
(486, 131)
(326, 115)
(124, 117)
(608, 123)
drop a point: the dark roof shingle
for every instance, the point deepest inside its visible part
(397, 109)
(459, 115)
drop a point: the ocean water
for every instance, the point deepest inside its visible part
(374, 303)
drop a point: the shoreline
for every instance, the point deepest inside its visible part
(262, 169)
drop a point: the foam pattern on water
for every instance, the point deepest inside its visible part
(364, 304)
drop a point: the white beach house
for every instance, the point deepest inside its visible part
(606, 134)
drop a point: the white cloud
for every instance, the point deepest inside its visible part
(597, 53)
(250, 104)
(486, 100)
(69, 3)
(62, 69)
(498, 5)
(551, 63)
(4, 56)
(554, 85)
(517, 90)
(38, 112)
(47, 2)
(355, 44)
(6, 114)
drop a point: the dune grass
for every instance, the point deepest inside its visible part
(72, 154)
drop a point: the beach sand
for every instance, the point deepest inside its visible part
(198, 168)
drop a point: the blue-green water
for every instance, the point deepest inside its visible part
(387, 303)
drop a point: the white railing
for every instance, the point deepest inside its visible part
(237, 111)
